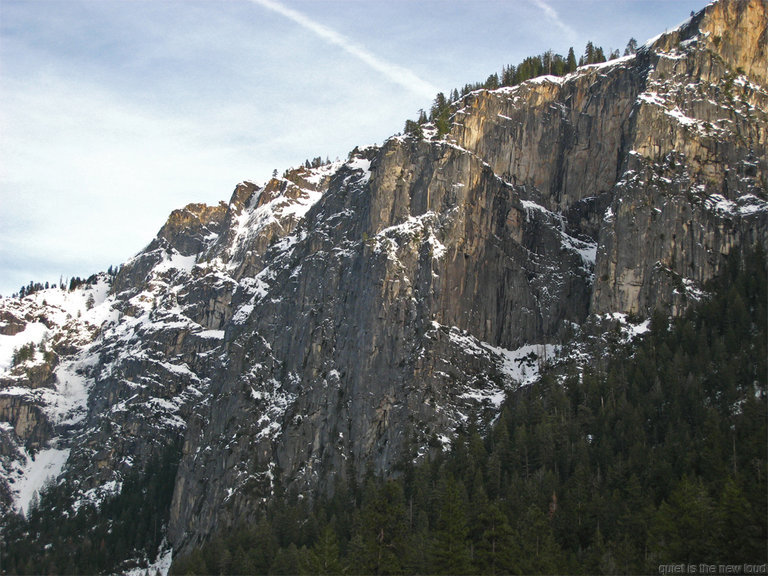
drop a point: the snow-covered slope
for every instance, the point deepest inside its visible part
(44, 391)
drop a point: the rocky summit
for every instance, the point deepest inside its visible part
(329, 322)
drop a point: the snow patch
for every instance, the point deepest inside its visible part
(68, 404)
(299, 208)
(358, 163)
(678, 115)
(587, 250)
(275, 212)
(392, 237)
(33, 333)
(273, 401)
(494, 395)
(318, 174)
(530, 207)
(630, 330)
(211, 334)
(160, 567)
(98, 494)
(175, 261)
(72, 304)
(744, 205)
(651, 98)
(609, 63)
(521, 366)
(243, 313)
(39, 469)
(547, 78)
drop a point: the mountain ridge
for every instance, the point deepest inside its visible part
(311, 325)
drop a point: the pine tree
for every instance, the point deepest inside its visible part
(589, 53)
(507, 75)
(599, 55)
(683, 527)
(738, 535)
(450, 547)
(323, 557)
(496, 549)
(492, 82)
(546, 62)
(631, 47)
(413, 129)
(287, 561)
(539, 553)
(440, 114)
(380, 543)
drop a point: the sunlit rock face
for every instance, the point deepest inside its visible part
(346, 317)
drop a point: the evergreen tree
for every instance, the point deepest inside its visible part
(287, 561)
(413, 129)
(381, 530)
(539, 552)
(440, 114)
(496, 549)
(492, 82)
(631, 47)
(508, 76)
(323, 558)
(451, 547)
(683, 526)
(599, 55)
(589, 53)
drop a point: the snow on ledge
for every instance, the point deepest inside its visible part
(160, 567)
(521, 365)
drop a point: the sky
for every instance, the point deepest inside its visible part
(113, 113)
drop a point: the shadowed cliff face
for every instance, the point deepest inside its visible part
(661, 157)
(345, 317)
(616, 189)
(693, 184)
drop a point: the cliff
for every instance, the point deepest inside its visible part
(334, 320)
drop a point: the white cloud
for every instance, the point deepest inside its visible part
(397, 74)
(87, 179)
(89, 173)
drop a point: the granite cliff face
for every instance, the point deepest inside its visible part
(340, 318)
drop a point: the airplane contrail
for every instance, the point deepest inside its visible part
(397, 74)
(554, 17)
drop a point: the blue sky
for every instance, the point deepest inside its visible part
(115, 112)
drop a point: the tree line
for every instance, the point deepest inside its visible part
(72, 284)
(656, 455)
(548, 63)
(56, 537)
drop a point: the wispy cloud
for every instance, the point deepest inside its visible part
(554, 17)
(394, 73)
